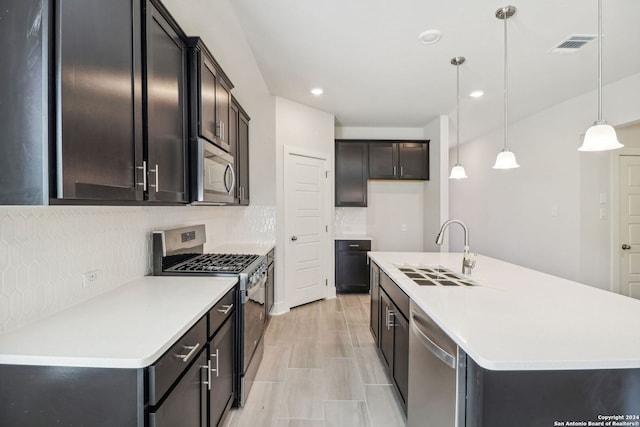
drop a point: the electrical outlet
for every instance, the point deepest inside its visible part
(90, 278)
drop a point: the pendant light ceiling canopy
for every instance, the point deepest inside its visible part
(505, 159)
(600, 136)
(457, 172)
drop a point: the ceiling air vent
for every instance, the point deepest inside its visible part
(573, 43)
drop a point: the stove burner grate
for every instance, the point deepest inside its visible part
(214, 263)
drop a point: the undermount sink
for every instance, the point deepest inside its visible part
(435, 275)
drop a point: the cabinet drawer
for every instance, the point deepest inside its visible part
(353, 245)
(185, 406)
(166, 370)
(397, 295)
(223, 309)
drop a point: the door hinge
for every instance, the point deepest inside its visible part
(326, 282)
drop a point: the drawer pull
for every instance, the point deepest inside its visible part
(354, 246)
(226, 308)
(192, 349)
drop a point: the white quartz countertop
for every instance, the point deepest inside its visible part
(251, 248)
(128, 327)
(521, 319)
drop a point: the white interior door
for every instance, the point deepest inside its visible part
(305, 222)
(629, 167)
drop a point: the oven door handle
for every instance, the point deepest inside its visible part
(256, 288)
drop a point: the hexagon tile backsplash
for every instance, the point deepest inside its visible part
(45, 251)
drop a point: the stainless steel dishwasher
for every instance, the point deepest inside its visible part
(436, 375)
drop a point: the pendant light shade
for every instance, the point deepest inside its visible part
(505, 159)
(457, 172)
(600, 136)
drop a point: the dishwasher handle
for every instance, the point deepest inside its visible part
(439, 352)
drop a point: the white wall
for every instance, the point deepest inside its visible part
(44, 251)
(311, 130)
(511, 214)
(436, 190)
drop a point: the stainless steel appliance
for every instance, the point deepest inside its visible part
(213, 176)
(179, 252)
(437, 381)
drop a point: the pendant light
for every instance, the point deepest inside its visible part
(457, 172)
(506, 159)
(600, 136)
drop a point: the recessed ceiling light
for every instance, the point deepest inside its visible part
(430, 36)
(317, 91)
(476, 94)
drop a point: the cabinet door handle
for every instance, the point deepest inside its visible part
(354, 246)
(226, 308)
(390, 313)
(156, 171)
(208, 368)
(394, 171)
(401, 171)
(144, 175)
(220, 129)
(192, 349)
(216, 356)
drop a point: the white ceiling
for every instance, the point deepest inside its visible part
(375, 72)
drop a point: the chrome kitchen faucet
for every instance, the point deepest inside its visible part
(468, 259)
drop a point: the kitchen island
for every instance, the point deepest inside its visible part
(539, 349)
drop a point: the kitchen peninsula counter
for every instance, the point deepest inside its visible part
(520, 319)
(128, 327)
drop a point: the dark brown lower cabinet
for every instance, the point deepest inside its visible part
(386, 330)
(374, 278)
(221, 368)
(394, 338)
(352, 270)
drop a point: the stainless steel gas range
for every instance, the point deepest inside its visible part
(180, 252)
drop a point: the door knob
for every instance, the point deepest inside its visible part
(626, 247)
(294, 238)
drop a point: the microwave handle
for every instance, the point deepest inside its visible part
(233, 179)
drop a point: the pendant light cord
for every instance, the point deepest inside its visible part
(457, 114)
(506, 89)
(599, 60)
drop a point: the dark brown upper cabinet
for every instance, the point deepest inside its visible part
(242, 159)
(210, 97)
(239, 139)
(399, 160)
(98, 75)
(166, 112)
(351, 173)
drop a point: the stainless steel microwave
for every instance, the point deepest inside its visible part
(213, 178)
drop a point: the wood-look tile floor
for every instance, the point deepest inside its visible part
(321, 368)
